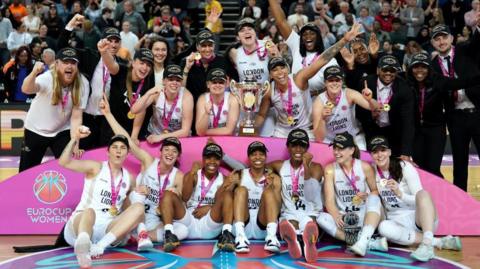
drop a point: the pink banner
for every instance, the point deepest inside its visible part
(40, 200)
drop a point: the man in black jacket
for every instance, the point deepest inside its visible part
(461, 105)
(395, 117)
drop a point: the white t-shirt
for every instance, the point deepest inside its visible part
(129, 40)
(97, 88)
(48, 120)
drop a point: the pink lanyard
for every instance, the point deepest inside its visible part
(257, 49)
(386, 101)
(295, 178)
(137, 92)
(262, 181)
(421, 105)
(205, 60)
(288, 106)
(106, 76)
(65, 100)
(337, 99)
(317, 55)
(380, 173)
(216, 117)
(166, 118)
(445, 72)
(114, 190)
(352, 176)
(204, 190)
(165, 182)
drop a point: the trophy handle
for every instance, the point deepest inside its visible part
(234, 90)
(265, 89)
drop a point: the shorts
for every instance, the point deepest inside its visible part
(297, 216)
(102, 220)
(407, 219)
(253, 230)
(152, 221)
(204, 228)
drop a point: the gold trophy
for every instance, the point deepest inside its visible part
(249, 94)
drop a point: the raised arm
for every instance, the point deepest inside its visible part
(189, 181)
(29, 86)
(280, 19)
(146, 100)
(363, 99)
(103, 47)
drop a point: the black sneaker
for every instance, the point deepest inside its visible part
(170, 241)
(226, 241)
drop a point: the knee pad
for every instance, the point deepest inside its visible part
(327, 223)
(181, 231)
(374, 204)
(396, 233)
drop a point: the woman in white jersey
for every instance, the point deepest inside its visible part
(217, 110)
(56, 110)
(306, 47)
(172, 107)
(350, 187)
(100, 217)
(333, 111)
(410, 212)
(289, 95)
(158, 175)
(301, 185)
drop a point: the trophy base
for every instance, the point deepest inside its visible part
(247, 131)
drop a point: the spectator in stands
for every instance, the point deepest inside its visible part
(18, 11)
(471, 16)
(54, 22)
(44, 40)
(17, 73)
(105, 20)
(180, 45)
(307, 9)
(63, 10)
(411, 48)
(465, 36)
(360, 60)
(213, 6)
(340, 19)
(36, 50)
(272, 33)
(423, 39)
(5, 30)
(110, 4)
(389, 49)
(385, 17)
(380, 34)
(437, 17)
(129, 39)
(395, 7)
(413, 17)
(257, 12)
(93, 11)
(454, 14)
(31, 21)
(166, 25)
(398, 35)
(365, 19)
(373, 7)
(18, 38)
(77, 8)
(327, 37)
(137, 24)
(48, 58)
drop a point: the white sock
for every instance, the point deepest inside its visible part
(107, 240)
(427, 238)
(83, 234)
(141, 227)
(437, 242)
(160, 233)
(227, 227)
(272, 228)
(367, 232)
(168, 227)
(239, 228)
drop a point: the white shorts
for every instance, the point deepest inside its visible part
(298, 215)
(252, 230)
(407, 219)
(204, 228)
(152, 221)
(102, 220)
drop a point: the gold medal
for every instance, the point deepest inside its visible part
(329, 105)
(269, 44)
(290, 120)
(383, 182)
(295, 197)
(386, 107)
(165, 131)
(197, 56)
(130, 115)
(113, 210)
(356, 200)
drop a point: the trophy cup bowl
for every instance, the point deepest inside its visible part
(351, 228)
(249, 94)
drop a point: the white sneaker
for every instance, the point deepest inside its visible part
(82, 251)
(360, 247)
(451, 243)
(272, 244)
(379, 244)
(144, 244)
(242, 244)
(423, 253)
(96, 251)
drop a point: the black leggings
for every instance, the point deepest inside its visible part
(34, 147)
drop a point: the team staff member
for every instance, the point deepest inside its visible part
(430, 130)
(56, 110)
(97, 71)
(395, 116)
(461, 105)
(128, 85)
(411, 215)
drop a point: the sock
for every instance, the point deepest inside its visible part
(437, 242)
(427, 238)
(366, 233)
(168, 227)
(160, 233)
(239, 228)
(227, 227)
(272, 228)
(83, 235)
(107, 240)
(141, 228)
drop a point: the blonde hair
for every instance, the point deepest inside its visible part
(57, 95)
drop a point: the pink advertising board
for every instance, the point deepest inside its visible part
(40, 200)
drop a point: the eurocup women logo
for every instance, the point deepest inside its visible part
(50, 187)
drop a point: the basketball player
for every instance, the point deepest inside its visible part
(411, 214)
(350, 187)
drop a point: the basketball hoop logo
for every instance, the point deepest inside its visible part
(50, 187)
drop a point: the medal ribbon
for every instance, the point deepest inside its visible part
(106, 76)
(352, 176)
(115, 190)
(262, 181)
(295, 178)
(337, 98)
(216, 117)
(380, 173)
(137, 92)
(317, 55)
(65, 100)
(288, 106)
(257, 49)
(204, 190)
(448, 73)
(165, 182)
(387, 100)
(166, 118)
(421, 105)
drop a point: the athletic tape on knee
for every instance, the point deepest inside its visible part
(181, 231)
(327, 223)
(396, 233)
(374, 204)
(136, 197)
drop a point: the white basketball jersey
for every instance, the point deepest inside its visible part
(255, 189)
(162, 109)
(222, 122)
(391, 202)
(250, 66)
(150, 180)
(342, 118)
(97, 192)
(344, 189)
(209, 199)
(301, 110)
